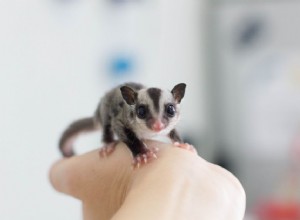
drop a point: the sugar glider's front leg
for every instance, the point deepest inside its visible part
(178, 142)
(174, 136)
(141, 153)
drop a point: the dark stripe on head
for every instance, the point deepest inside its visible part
(155, 94)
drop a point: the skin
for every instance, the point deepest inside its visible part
(178, 185)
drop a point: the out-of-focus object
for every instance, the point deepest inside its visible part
(277, 210)
(121, 66)
(255, 76)
(285, 203)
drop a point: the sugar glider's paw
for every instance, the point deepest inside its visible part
(185, 146)
(108, 149)
(144, 158)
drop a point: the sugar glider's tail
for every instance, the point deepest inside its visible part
(74, 129)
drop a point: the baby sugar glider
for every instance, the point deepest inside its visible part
(133, 113)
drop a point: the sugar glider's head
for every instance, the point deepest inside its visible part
(154, 110)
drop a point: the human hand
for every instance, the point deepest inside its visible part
(178, 185)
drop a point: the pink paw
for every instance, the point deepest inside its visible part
(185, 146)
(144, 158)
(107, 150)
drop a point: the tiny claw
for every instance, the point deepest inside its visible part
(145, 160)
(155, 149)
(138, 165)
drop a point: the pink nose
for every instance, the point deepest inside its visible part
(158, 126)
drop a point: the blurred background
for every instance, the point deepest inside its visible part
(240, 60)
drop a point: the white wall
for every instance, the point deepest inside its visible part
(52, 70)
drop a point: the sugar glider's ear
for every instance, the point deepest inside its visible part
(178, 92)
(129, 95)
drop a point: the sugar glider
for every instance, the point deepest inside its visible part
(133, 113)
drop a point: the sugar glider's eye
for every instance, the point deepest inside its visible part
(170, 110)
(141, 111)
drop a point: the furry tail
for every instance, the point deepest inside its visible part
(74, 129)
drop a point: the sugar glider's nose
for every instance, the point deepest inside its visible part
(158, 126)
